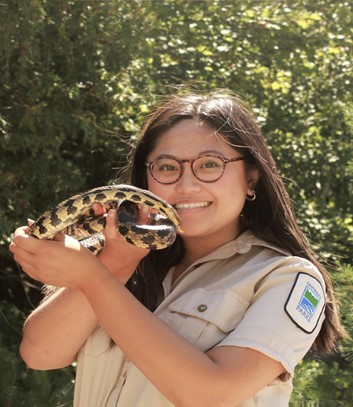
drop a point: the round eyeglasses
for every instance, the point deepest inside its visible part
(206, 168)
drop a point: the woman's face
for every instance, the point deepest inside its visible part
(207, 210)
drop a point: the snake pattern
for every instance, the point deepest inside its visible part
(75, 217)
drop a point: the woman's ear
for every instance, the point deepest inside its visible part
(253, 178)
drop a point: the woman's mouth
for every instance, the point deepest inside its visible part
(191, 205)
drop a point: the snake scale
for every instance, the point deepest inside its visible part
(75, 217)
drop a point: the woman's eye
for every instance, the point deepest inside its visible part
(168, 167)
(210, 164)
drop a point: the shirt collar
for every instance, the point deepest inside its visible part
(241, 245)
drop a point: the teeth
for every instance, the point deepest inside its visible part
(191, 205)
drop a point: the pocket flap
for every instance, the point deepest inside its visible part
(222, 308)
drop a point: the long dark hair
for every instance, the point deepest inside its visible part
(270, 216)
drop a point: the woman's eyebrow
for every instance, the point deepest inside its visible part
(217, 152)
(206, 152)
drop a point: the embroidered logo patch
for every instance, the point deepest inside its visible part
(309, 301)
(306, 302)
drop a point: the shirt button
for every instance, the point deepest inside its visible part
(202, 308)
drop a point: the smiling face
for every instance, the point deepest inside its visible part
(208, 210)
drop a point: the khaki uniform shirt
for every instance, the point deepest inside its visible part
(246, 293)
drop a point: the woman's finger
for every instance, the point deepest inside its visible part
(26, 242)
(110, 230)
(21, 256)
(143, 215)
(59, 237)
(22, 230)
(98, 209)
(30, 222)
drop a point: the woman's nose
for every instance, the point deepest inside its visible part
(188, 182)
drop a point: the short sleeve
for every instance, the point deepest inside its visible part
(285, 314)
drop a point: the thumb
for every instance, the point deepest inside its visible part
(110, 231)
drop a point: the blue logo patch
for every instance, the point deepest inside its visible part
(309, 301)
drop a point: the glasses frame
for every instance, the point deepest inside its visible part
(149, 165)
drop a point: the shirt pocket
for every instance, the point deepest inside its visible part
(205, 318)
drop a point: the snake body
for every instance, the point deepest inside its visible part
(75, 217)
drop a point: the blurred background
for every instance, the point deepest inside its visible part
(77, 81)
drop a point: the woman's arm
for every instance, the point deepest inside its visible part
(57, 329)
(224, 376)
(185, 375)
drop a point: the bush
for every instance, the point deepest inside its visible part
(23, 387)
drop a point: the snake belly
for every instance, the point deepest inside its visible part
(75, 217)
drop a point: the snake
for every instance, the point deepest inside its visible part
(75, 217)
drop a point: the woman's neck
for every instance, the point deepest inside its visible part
(197, 248)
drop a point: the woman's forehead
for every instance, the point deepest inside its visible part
(190, 137)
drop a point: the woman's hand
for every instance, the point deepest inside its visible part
(120, 257)
(62, 262)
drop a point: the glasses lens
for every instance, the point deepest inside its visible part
(208, 168)
(166, 170)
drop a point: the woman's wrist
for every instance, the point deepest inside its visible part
(121, 267)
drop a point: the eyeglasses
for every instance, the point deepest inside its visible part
(206, 168)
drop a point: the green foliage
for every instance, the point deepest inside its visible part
(79, 77)
(56, 106)
(22, 387)
(320, 384)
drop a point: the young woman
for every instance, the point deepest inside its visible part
(221, 317)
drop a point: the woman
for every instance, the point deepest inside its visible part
(221, 317)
